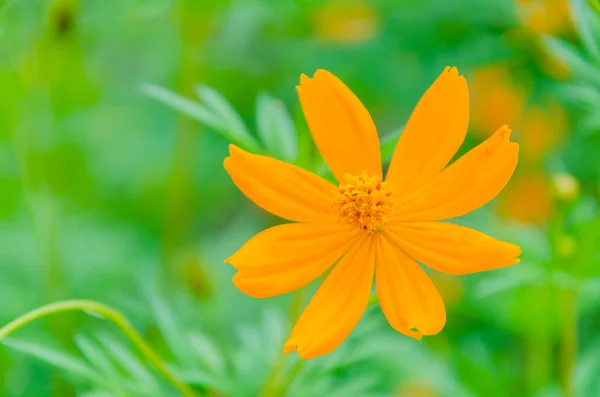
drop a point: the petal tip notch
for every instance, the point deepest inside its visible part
(516, 254)
(235, 151)
(411, 333)
(227, 163)
(227, 160)
(505, 131)
(501, 138)
(289, 348)
(304, 79)
(452, 71)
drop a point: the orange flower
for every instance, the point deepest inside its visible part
(371, 228)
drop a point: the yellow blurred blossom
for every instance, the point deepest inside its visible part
(527, 198)
(530, 196)
(496, 99)
(565, 186)
(496, 95)
(545, 16)
(567, 246)
(542, 127)
(415, 388)
(352, 21)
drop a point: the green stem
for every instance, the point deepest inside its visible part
(567, 299)
(296, 307)
(180, 195)
(568, 345)
(294, 372)
(539, 359)
(271, 386)
(109, 314)
(276, 388)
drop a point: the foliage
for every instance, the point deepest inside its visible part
(115, 119)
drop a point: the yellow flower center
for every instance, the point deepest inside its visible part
(364, 202)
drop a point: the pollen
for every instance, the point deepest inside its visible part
(364, 202)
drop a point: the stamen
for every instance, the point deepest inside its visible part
(364, 202)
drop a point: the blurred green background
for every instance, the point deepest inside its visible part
(115, 116)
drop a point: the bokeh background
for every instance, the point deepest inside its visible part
(115, 118)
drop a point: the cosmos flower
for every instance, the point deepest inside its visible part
(369, 228)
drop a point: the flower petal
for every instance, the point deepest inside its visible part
(340, 125)
(467, 184)
(337, 306)
(433, 134)
(408, 298)
(286, 257)
(281, 188)
(452, 248)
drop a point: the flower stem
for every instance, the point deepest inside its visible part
(568, 345)
(272, 386)
(109, 314)
(297, 302)
(180, 193)
(295, 371)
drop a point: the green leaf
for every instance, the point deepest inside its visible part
(590, 125)
(169, 328)
(587, 24)
(388, 144)
(68, 363)
(573, 58)
(184, 105)
(508, 279)
(127, 360)
(306, 148)
(358, 386)
(207, 353)
(233, 124)
(276, 128)
(196, 377)
(216, 113)
(96, 393)
(587, 371)
(96, 356)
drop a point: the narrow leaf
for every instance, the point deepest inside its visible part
(276, 128)
(586, 23)
(233, 125)
(574, 59)
(66, 362)
(184, 105)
